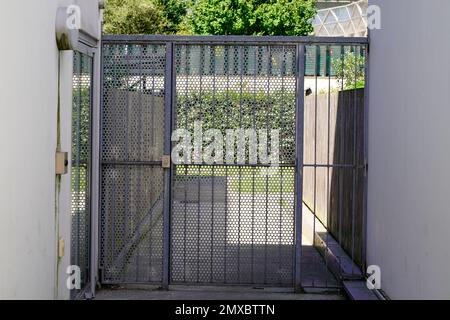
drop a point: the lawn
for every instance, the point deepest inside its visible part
(245, 179)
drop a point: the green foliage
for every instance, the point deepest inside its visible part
(285, 17)
(350, 69)
(234, 109)
(215, 17)
(175, 12)
(246, 110)
(222, 17)
(81, 124)
(252, 17)
(143, 16)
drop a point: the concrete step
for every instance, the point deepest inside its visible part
(357, 290)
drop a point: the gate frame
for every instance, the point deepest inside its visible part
(92, 48)
(169, 97)
(299, 141)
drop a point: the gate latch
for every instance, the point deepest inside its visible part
(366, 167)
(61, 163)
(165, 162)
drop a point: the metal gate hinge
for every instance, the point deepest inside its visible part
(165, 162)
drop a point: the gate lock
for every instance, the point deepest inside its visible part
(165, 162)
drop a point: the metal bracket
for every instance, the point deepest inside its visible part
(366, 168)
(88, 295)
(61, 248)
(61, 162)
(165, 162)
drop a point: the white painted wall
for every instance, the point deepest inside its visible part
(409, 149)
(28, 130)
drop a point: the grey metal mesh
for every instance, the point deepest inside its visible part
(81, 165)
(131, 173)
(231, 223)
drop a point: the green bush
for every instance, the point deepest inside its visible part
(210, 17)
(246, 110)
(350, 70)
(252, 17)
(81, 124)
(135, 17)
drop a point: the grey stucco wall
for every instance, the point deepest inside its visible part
(33, 212)
(409, 149)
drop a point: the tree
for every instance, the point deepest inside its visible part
(175, 11)
(134, 17)
(286, 17)
(252, 17)
(144, 16)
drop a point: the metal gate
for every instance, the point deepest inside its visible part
(228, 209)
(232, 221)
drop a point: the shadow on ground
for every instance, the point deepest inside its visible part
(208, 293)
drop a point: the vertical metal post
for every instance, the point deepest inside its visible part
(78, 161)
(96, 167)
(341, 147)
(354, 156)
(168, 99)
(299, 165)
(127, 169)
(366, 158)
(328, 193)
(95, 152)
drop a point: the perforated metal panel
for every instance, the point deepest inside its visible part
(233, 223)
(81, 165)
(132, 178)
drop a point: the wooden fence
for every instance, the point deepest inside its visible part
(329, 135)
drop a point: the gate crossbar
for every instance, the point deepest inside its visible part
(243, 40)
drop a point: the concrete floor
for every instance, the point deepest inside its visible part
(318, 281)
(316, 278)
(208, 293)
